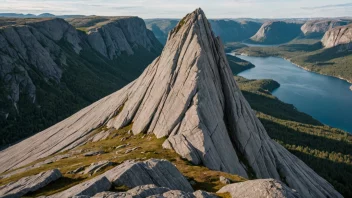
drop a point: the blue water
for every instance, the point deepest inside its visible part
(326, 98)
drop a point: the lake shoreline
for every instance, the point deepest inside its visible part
(305, 90)
(302, 67)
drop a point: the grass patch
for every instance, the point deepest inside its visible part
(150, 147)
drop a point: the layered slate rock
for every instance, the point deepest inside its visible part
(154, 171)
(259, 188)
(88, 188)
(154, 191)
(188, 95)
(341, 35)
(29, 184)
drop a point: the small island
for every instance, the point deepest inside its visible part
(351, 87)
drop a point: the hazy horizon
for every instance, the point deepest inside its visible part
(178, 8)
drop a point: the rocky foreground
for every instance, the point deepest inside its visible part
(188, 98)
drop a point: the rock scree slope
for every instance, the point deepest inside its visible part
(188, 95)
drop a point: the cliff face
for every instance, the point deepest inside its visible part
(33, 45)
(189, 96)
(318, 28)
(276, 32)
(338, 36)
(46, 62)
(113, 36)
(228, 30)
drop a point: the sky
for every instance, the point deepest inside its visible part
(178, 8)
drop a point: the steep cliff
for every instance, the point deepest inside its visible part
(49, 70)
(339, 36)
(317, 28)
(228, 30)
(276, 32)
(187, 95)
(113, 36)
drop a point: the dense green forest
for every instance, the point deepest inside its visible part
(326, 150)
(310, 54)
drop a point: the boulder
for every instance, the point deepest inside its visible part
(88, 188)
(154, 191)
(224, 180)
(260, 188)
(29, 184)
(154, 171)
(95, 167)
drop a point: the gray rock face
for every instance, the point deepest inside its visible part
(319, 27)
(88, 188)
(189, 95)
(117, 35)
(153, 171)
(338, 36)
(154, 191)
(29, 184)
(259, 188)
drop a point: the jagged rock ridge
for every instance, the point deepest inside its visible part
(188, 94)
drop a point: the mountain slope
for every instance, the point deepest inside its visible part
(49, 70)
(189, 96)
(276, 32)
(339, 36)
(228, 30)
(317, 28)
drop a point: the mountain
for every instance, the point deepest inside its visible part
(46, 15)
(338, 36)
(50, 70)
(229, 30)
(188, 98)
(317, 28)
(43, 15)
(161, 27)
(16, 15)
(276, 32)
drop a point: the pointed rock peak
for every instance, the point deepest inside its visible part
(191, 19)
(189, 96)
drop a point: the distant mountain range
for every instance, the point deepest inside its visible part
(44, 15)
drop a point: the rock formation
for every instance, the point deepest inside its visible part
(159, 172)
(318, 28)
(188, 95)
(163, 176)
(259, 188)
(29, 184)
(276, 32)
(88, 188)
(338, 36)
(112, 36)
(229, 30)
(50, 59)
